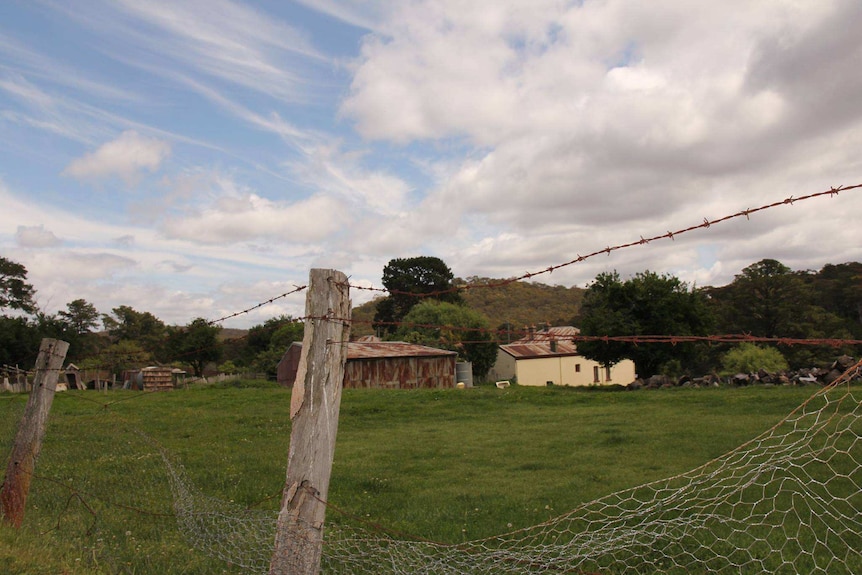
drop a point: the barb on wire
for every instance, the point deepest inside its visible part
(259, 305)
(671, 235)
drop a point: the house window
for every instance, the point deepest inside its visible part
(577, 368)
(607, 374)
(596, 374)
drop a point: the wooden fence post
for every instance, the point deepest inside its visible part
(31, 431)
(314, 407)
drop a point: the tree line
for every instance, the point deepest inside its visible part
(427, 305)
(128, 338)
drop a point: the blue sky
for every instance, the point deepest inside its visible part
(192, 158)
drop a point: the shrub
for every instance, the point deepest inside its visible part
(748, 358)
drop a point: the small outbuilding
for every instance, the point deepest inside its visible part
(384, 364)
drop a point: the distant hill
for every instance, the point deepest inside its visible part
(232, 333)
(518, 303)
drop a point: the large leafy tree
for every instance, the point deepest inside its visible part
(406, 280)
(763, 300)
(128, 324)
(646, 304)
(196, 344)
(15, 292)
(768, 299)
(454, 327)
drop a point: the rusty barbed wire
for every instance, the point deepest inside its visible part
(296, 289)
(671, 235)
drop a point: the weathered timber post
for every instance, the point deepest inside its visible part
(31, 431)
(314, 407)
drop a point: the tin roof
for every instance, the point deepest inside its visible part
(559, 333)
(383, 349)
(537, 349)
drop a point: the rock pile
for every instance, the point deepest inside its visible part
(806, 376)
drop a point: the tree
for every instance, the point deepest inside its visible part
(769, 299)
(15, 292)
(127, 324)
(19, 341)
(762, 300)
(406, 279)
(81, 316)
(454, 327)
(196, 344)
(646, 304)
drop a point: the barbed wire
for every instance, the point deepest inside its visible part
(671, 235)
(296, 289)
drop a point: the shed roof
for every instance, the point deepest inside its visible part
(537, 349)
(382, 349)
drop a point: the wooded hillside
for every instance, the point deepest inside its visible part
(519, 304)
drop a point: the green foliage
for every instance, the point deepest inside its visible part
(19, 341)
(769, 299)
(647, 304)
(124, 355)
(749, 358)
(454, 327)
(265, 344)
(196, 344)
(228, 368)
(81, 316)
(403, 277)
(15, 292)
(143, 328)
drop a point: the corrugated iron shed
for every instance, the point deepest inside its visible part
(376, 364)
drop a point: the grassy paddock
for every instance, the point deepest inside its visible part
(447, 465)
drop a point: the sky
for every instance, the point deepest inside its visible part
(193, 158)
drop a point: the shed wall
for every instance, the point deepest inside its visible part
(401, 372)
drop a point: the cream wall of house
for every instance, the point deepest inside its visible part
(572, 370)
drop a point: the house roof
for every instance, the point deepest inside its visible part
(558, 333)
(537, 349)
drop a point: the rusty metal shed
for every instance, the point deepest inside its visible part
(384, 364)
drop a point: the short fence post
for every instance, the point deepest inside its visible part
(314, 407)
(31, 431)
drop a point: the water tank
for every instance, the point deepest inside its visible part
(464, 373)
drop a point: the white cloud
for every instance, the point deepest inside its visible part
(126, 157)
(251, 217)
(36, 237)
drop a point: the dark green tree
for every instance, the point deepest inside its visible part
(454, 327)
(286, 333)
(646, 304)
(81, 316)
(19, 341)
(127, 324)
(15, 292)
(406, 279)
(763, 300)
(768, 299)
(196, 344)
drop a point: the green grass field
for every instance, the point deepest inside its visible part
(445, 465)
